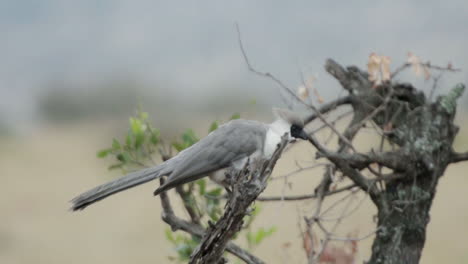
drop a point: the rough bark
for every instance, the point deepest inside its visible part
(427, 133)
(423, 133)
(246, 187)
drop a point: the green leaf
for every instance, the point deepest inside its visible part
(250, 238)
(143, 116)
(249, 219)
(155, 137)
(115, 144)
(178, 146)
(103, 153)
(201, 186)
(213, 210)
(189, 137)
(139, 139)
(213, 126)
(128, 140)
(262, 234)
(184, 251)
(215, 192)
(124, 157)
(235, 116)
(169, 235)
(136, 125)
(115, 166)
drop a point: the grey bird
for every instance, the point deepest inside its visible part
(232, 144)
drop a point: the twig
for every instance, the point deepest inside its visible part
(355, 238)
(289, 91)
(434, 85)
(338, 118)
(328, 107)
(298, 171)
(426, 64)
(303, 197)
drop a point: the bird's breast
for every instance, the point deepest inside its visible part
(272, 139)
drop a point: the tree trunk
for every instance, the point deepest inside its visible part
(427, 134)
(403, 221)
(422, 132)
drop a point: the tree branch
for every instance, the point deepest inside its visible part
(303, 197)
(458, 157)
(328, 107)
(176, 223)
(246, 186)
(343, 165)
(396, 160)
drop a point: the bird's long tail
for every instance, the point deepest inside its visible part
(102, 191)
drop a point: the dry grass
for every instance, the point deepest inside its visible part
(41, 173)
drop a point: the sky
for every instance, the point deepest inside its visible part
(189, 49)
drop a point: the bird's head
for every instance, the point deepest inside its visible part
(291, 122)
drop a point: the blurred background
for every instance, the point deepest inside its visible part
(72, 72)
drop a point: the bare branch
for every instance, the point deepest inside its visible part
(263, 74)
(303, 197)
(290, 92)
(246, 186)
(458, 157)
(396, 160)
(355, 238)
(426, 64)
(328, 107)
(321, 190)
(338, 118)
(176, 223)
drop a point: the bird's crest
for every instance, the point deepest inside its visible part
(288, 116)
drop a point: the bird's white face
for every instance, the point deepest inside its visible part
(294, 131)
(289, 122)
(282, 127)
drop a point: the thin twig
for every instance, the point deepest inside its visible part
(303, 197)
(290, 92)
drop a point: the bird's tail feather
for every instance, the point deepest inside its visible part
(102, 191)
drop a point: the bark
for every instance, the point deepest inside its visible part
(246, 187)
(423, 134)
(403, 208)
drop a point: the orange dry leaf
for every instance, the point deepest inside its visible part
(310, 85)
(303, 92)
(415, 63)
(373, 68)
(385, 68)
(319, 97)
(345, 254)
(378, 68)
(308, 244)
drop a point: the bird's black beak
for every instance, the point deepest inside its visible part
(303, 135)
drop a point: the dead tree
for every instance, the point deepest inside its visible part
(404, 179)
(422, 133)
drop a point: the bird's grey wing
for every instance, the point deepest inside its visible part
(230, 142)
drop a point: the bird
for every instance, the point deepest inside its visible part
(231, 145)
